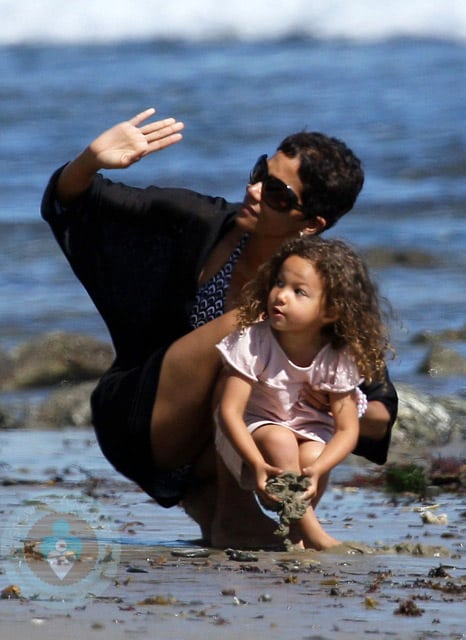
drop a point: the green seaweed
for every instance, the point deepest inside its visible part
(406, 478)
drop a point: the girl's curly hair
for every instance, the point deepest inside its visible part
(349, 290)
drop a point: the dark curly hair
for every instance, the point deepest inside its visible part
(331, 174)
(349, 291)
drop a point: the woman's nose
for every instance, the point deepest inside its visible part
(255, 191)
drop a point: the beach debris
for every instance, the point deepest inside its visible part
(370, 603)
(31, 549)
(241, 556)
(379, 579)
(431, 518)
(133, 569)
(158, 600)
(38, 621)
(408, 608)
(129, 527)
(430, 507)
(439, 572)
(228, 592)
(418, 549)
(12, 592)
(190, 553)
(264, 597)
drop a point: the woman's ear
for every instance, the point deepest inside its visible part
(314, 226)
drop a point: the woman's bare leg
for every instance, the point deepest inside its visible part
(239, 521)
(181, 422)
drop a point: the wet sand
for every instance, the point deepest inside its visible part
(396, 576)
(279, 596)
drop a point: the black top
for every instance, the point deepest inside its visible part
(138, 253)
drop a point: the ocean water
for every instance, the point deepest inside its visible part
(389, 81)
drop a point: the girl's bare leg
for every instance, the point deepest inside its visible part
(280, 447)
(181, 417)
(314, 534)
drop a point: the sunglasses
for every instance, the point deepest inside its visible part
(275, 193)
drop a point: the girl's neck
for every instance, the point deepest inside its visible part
(300, 349)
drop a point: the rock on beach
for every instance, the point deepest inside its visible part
(54, 358)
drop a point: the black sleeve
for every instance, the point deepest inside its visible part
(137, 253)
(385, 392)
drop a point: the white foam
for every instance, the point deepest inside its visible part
(101, 21)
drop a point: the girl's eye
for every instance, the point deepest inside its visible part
(301, 292)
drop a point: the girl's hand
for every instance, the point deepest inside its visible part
(127, 142)
(263, 473)
(312, 488)
(314, 397)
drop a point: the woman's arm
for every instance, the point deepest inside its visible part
(117, 148)
(374, 423)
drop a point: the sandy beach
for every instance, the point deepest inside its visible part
(141, 572)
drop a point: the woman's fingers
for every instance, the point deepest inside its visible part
(140, 117)
(162, 133)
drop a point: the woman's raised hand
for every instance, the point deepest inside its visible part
(128, 142)
(117, 148)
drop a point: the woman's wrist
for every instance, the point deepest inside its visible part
(76, 176)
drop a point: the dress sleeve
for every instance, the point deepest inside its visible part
(335, 371)
(138, 253)
(241, 350)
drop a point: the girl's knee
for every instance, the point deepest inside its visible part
(278, 445)
(276, 435)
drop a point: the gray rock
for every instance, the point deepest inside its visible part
(379, 257)
(443, 361)
(447, 335)
(425, 421)
(6, 366)
(55, 358)
(68, 406)
(7, 419)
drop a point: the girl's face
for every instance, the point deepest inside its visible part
(296, 302)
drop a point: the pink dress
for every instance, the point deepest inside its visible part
(275, 397)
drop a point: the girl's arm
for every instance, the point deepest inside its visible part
(117, 148)
(345, 414)
(233, 403)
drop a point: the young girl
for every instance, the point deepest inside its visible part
(313, 315)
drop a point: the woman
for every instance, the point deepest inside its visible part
(142, 255)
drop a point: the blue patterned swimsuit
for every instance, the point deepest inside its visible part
(209, 302)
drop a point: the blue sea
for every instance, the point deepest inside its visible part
(389, 80)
